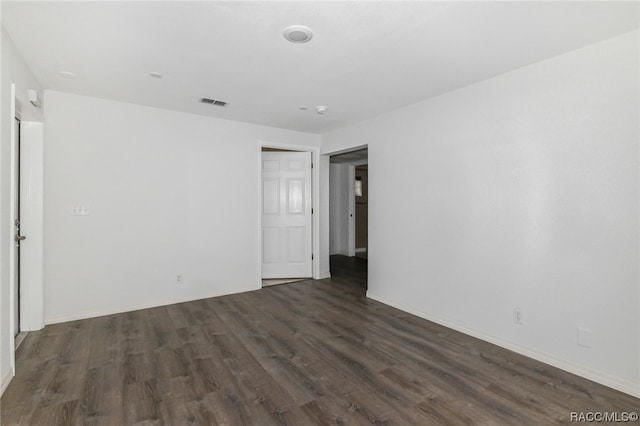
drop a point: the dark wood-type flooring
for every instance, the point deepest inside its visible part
(313, 352)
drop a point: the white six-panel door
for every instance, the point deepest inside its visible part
(286, 215)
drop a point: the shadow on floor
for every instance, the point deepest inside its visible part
(351, 271)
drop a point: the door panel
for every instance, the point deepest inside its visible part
(271, 196)
(286, 215)
(270, 245)
(295, 196)
(295, 165)
(295, 245)
(270, 165)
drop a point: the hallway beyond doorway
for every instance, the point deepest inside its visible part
(349, 270)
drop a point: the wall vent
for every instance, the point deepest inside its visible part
(213, 102)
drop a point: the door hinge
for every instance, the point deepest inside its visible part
(311, 256)
(312, 165)
(311, 210)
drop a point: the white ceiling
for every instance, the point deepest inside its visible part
(365, 58)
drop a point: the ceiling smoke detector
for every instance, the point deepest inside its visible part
(297, 34)
(321, 109)
(213, 102)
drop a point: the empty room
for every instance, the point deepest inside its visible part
(335, 212)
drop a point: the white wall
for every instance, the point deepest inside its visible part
(14, 71)
(339, 209)
(168, 193)
(523, 192)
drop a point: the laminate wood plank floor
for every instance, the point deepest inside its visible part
(311, 352)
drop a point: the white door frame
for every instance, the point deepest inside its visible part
(315, 202)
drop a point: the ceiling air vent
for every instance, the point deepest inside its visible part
(213, 102)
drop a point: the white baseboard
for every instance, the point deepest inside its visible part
(6, 380)
(622, 385)
(111, 311)
(323, 275)
(360, 250)
(340, 252)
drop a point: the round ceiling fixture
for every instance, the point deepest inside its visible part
(68, 74)
(297, 34)
(321, 109)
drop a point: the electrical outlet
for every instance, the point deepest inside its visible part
(179, 278)
(517, 316)
(82, 210)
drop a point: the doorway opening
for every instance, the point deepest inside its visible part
(349, 214)
(287, 215)
(25, 199)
